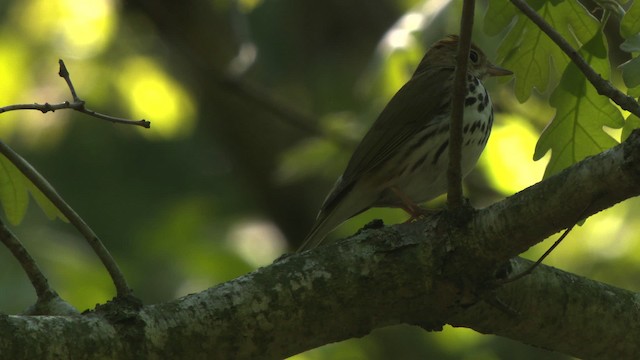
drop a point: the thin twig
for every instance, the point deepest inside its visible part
(530, 269)
(64, 73)
(43, 185)
(49, 302)
(37, 278)
(77, 104)
(603, 86)
(454, 173)
(44, 108)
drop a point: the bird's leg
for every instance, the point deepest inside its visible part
(411, 208)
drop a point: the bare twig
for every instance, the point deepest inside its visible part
(43, 185)
(49, 302)
(530, 269)
(454, 173)
(37, 278)
(64, 73)
(603, 86)
(77, 104)
(533, 266)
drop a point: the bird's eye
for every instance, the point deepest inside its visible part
(473, 55)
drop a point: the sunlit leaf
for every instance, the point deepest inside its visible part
(527, 51)
(13, 193)
(632, 123)
(50, 210)
(630, 24)
(501, 14)
(14, 190)
(577, 129)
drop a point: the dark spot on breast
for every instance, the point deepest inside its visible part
(470, 101)
(474, 126)
(472, 88)
(465, 129)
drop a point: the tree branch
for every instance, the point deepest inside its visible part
(425, 273)
(92, 238)
(37, 278)
(561, 311)
(454, 172)
(77, 104)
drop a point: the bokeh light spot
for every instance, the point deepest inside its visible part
(153, 95)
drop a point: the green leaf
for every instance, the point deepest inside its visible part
(50, 210)
(632, 123)
(631, 44)
(13, 194)
(634, 92)
(577, 129)
(14, 190)
(630, 24)
(498, 16)
(528, 52)
(631, 68)
(631, 72)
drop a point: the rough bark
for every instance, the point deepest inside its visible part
(444, 269)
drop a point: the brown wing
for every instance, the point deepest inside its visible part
(416, 103)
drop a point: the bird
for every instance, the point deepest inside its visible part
(403, 159)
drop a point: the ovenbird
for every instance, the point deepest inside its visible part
(403, 158)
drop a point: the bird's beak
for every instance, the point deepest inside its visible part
(498, 71)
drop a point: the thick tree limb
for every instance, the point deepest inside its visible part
(427, 273)
(563, 312)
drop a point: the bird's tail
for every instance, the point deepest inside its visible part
(323, 225)
(351, 204)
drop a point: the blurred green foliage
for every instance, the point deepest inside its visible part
(223, 182)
